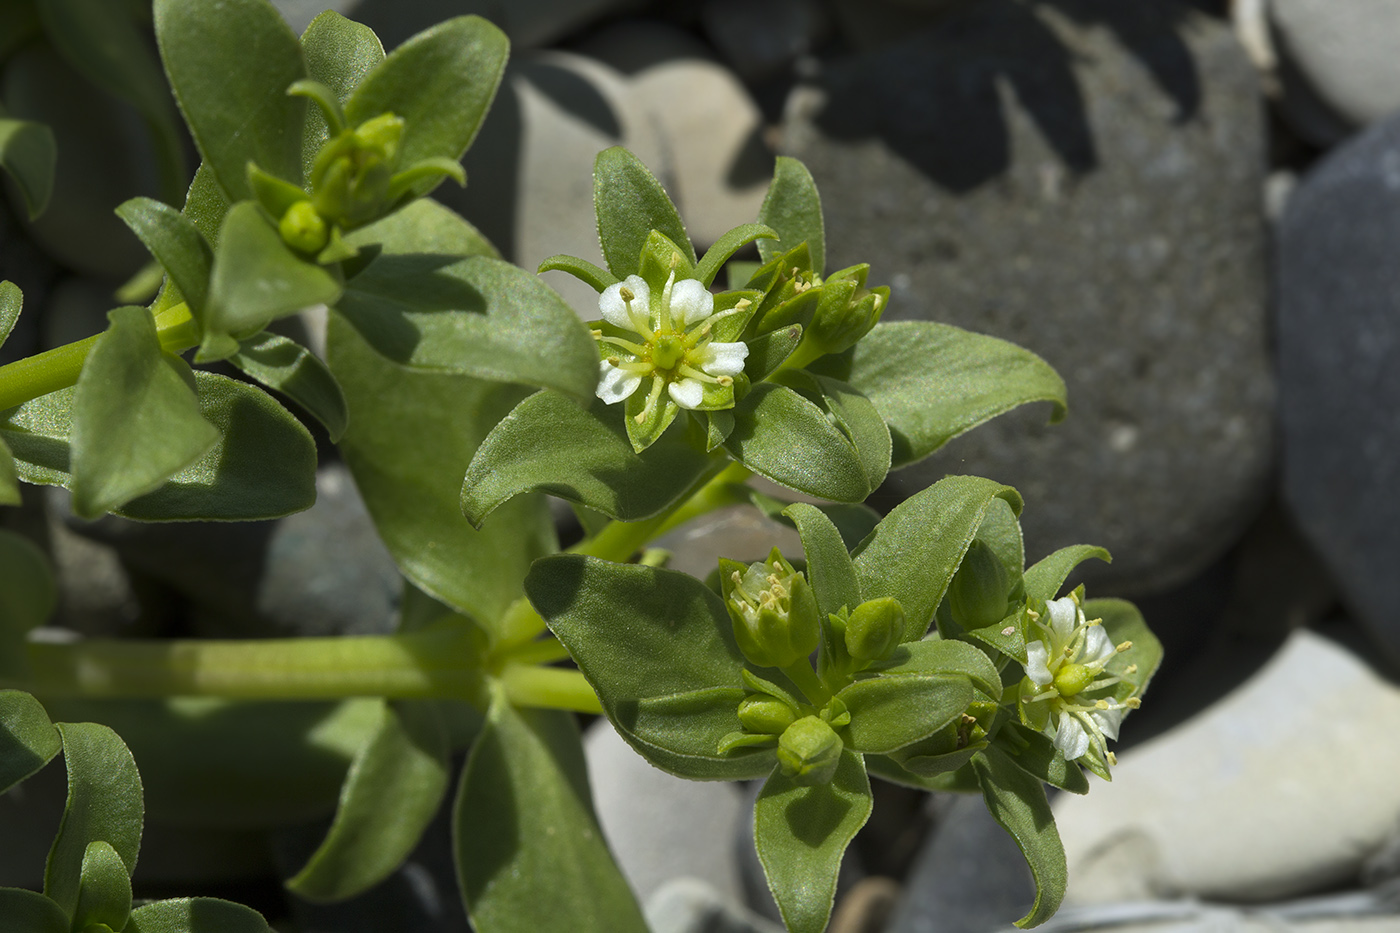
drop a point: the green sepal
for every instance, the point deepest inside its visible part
(914, 552)
(793, 209)
(136, 419)
(28, 740)
(737, 740)
(176, 244)
(551, 445)
(1123, 622)
(1017, 801)
(630, 203)
(282, 364)
(230, 66)
(391, 793)
(643, 636)
(581, 269)
(957, 777)
(523, 814)
(726, 246)
(196, 915)
(28, 154)
(768, 351)
(932, 382)
(890, 712)
(1035, 753)
(801, 834)
(718, 426)
(425, 175)
(762, 685)
(1044, 578)
(648, 413)
(323, 97)
(338, 250)
(104, 889)
(104, 804)
(32, 912)
(274, 195)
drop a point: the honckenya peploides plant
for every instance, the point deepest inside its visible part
(915, 647)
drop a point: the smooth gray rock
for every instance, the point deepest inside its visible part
(1084, 178)
(1338, 330)
(688, 905)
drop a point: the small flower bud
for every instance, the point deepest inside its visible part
(379, 136)
(875, 628)
(809, 751)
(773, 610)
(765, 715)
(980, 589)
(302, 228)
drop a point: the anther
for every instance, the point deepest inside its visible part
(627, 293)
(1124, 647)
(1132, 703)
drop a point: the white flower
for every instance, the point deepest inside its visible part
(1066, 662)
(668, 342)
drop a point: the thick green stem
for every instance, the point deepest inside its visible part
(60, 367)
(436, 663)
(800, 672)
(550, 687)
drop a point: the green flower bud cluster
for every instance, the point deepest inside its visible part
(773, 610)
(809, 750)
(982, 591)
(350, 179)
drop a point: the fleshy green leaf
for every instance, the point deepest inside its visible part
(339, 53)
(196, 915)
(255, 279)
(230, 64)
(392, 792)
(9, 477)
(829, 567)
(581, 269)
(646, 638)
(28, 154)
(932, 382)
(235, 481)
(104, 804)
(854, 521)
(727, 245)
(528, 849)
(206, 204)
(286, 366)
(1017, 801)
(31, 912)
(550, 444)
(1123, 622)
(477, 315)
(28, 741)
(914, 552)
(960, 780)
(1047, 575)
(784, 436)
(944, 656)
(890, 712)
(410, 438)
(767, 352)
(11, 301)
(441, 82)
(631, 203)
(136, 422)
(104, 889)
(103, 42)
(1035, 754)
(802, 833)
(176, 243)
(794, 210)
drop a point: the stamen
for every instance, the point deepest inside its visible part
(690, 372)
(1132, 703)
(653, 397)
(1112, 758)
(1130, 669)
(1124, 647)
(666, 298)
(635, 349)
(596, 333)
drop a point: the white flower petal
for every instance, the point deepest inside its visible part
(1064, 616)
(615, 384)
(687, 393)
(1097, 646)
(614, 309)
(691, 301)
(1072, 739)
(1108, 720)
(1037, 668)
(725, 359)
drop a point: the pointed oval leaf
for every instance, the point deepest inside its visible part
(206, 203)
(286, 366)
(441, 82)
(176, 244)
(410, 437)
(829, 567)
(793, 209)
(230, 65)
(104, 889)
(196, 915)
(638, 634)
(11, 301)
(1044, 579)
(524, 816)
(932, 382)
(391, 794)
(944, 656)
(1035, 753)
(136, 422)
(104, 804)
(551, 445)
(339, 54)
(28, 154)
(581, 269)
(783, 436)
(31, 912)
(1017, 801)
(28, 741)
(802, 833)
(726, 246)
(914, 552)
(630, 204)
(891, 712)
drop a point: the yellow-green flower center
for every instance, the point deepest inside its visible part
(667, 351)
(1072, 678)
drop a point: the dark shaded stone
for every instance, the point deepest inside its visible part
(1084, 178)
(1339, 388)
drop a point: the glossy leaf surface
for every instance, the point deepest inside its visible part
(528, 848)
(176, 244)
(630, 203)
(11, 301)
(286, 366)
(891, 712)
(1046, 576)
(28, 741)
(196, 915)
(793, 209)
(104, 889)
(339, 53)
